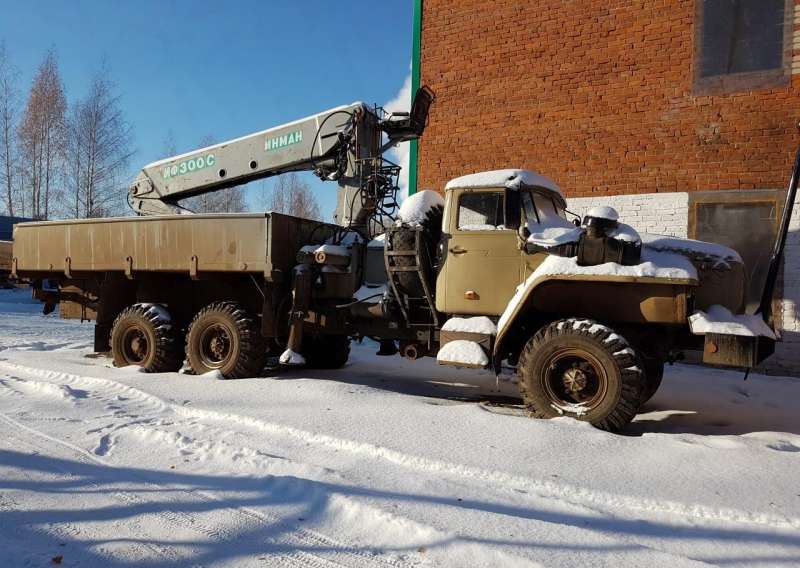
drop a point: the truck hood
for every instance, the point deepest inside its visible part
(694, 250)
(720, 271)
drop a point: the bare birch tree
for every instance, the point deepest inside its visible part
(292, 196)
(229, 200)
(97, 152)
(41, 135)
(8, 126)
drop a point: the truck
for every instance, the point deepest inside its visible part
(5, 262)
(495, 274)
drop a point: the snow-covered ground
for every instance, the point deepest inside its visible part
(383, 463)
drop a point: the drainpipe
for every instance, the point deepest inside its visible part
(415, 80)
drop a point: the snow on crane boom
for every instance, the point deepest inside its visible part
(343, 144)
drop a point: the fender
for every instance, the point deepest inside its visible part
(609, 298)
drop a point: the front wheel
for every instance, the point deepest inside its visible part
(582, 369)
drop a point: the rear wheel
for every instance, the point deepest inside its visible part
(653, 375)
(582, 369)
(143, 335)
(224, 337)
(326, 351)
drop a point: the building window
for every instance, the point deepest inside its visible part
(742, 44)
(747, 221)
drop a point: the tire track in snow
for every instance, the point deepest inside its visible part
(296, 540)
(500, 481)
(65, 530)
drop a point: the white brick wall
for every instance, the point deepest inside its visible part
(668, 214)
(660, 213)
(787, 354)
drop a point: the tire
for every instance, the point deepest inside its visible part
(404, 239)
(326, 351)
(143, 335)
(653, 375)
(582, 369)
(224, 337)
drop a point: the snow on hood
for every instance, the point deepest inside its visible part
(416, 207)
(553, 236)
(655, 264)
(690, 247)
(719, 319)
(512, 179)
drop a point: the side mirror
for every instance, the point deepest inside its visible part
(512, 208)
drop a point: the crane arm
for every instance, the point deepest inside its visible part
(341, 144)
(311, 143)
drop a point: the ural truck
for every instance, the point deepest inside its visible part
(495, 274)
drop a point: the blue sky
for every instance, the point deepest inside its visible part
(198, 68)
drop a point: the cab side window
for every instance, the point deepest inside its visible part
(480, 212)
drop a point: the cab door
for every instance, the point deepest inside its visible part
(483, 264)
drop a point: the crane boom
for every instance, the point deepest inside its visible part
(343, 144)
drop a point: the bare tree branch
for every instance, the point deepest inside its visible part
(8, 135)
(292, 196)
(41, 136)
(98, 151)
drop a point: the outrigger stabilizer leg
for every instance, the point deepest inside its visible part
(301, 297)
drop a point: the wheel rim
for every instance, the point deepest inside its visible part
(135, 346)
(215, 345)
(575, 381)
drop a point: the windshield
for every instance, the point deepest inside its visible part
(546, 221)
(542, 209)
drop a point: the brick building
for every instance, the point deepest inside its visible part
(681, 113)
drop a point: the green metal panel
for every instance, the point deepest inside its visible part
(415, 80)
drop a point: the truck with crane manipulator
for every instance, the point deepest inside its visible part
(587, 311)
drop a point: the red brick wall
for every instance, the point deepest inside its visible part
(595, 94)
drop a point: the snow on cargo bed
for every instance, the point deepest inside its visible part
(719, 319)
(511, 178)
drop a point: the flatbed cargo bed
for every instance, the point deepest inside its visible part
(254, 243)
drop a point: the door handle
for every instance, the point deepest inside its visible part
(458, 250)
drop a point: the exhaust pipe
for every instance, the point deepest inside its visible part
(413, 351)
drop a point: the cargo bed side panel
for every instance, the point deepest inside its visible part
(211, 243)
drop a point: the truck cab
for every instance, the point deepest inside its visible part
(482, 261)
